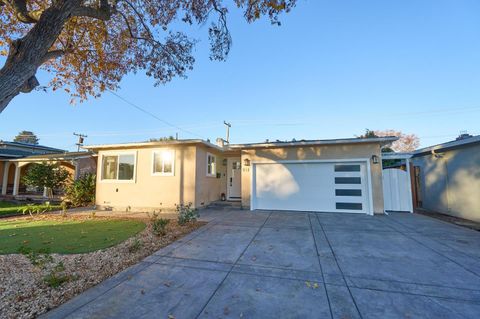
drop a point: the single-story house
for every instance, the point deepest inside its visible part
(447, 178)
(15, 158)
(338, 175)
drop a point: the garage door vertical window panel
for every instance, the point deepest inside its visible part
(350, 187)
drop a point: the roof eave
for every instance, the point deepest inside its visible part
(447, 146)
(380, 140)
(95, 148)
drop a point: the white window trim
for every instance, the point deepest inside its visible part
(214, 174)
(118, 153)
(153, 162)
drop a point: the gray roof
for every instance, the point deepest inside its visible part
(9, 153)
(31, 146)
(381, 140)
(12, 150)
(470, 141)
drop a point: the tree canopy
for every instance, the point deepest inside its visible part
(405, 143)
(89, 45)
(49, 175)
(26, 137)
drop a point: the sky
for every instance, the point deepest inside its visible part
(331, 70)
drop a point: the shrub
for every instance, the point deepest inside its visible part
(81, 192)
(159, 225)
(186, 213)
(56, 277)
(135, 246)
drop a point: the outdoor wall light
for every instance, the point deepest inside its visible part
(246, 162)
(224, 162)
(374, 159)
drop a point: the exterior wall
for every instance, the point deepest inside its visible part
(149, 192)
(87, 165)
(325, 152)
(209, 188)
(450, 184)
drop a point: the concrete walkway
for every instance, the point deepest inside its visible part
(298, 265)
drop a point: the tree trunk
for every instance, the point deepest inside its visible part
(29, 53)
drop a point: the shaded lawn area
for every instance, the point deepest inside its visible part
(9, 208)
(65, 236)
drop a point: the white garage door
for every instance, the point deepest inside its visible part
(311, 186)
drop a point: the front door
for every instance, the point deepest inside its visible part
(234, 178)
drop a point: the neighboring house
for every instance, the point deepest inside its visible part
(447, 178)
(9, 150)
(341, 175)
(16, 157)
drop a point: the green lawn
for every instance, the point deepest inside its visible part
(8, 208)
(65, 237)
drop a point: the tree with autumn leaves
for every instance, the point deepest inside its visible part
(405, 142)
(89, 45)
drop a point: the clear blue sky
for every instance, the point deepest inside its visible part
(331, 70)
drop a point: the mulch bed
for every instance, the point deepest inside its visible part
(24, 293)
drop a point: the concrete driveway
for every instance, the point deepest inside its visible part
(298, 265)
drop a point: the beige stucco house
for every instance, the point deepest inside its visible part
(341, 175)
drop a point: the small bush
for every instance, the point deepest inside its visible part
(159, 225)
(81, 192)
(56, 277)
(135, 246)
(186, 213)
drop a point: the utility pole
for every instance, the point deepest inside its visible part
(228, 126)
(81, 137)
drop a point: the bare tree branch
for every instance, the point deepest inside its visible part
(50, 55)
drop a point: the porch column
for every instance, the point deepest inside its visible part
(6, 168)
(76, 174)
(16, 183)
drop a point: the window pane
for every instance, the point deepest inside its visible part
(347, 168)
(109, 167)
(168, 166)
(348, 180)
(126, 167)
(350, 206)
(348, 192)
(211, 166)
(157, 162)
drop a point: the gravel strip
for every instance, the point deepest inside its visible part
(24, 293)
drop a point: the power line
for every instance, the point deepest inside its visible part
(153, 115)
